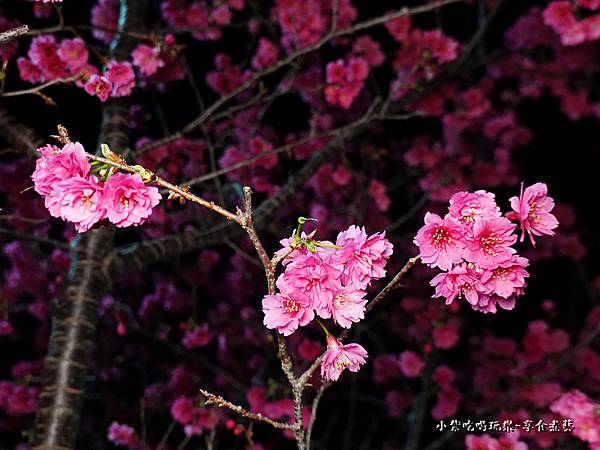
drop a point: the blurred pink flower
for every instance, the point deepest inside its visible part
(410, 364)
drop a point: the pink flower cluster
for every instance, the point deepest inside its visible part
(345, 80)
(17, 400)
(205, 19)
(585, 414)
(63, 177)
(472, 245)
(49, 60)
(561, 17)
(330, 281)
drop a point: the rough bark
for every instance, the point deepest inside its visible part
(74, 319)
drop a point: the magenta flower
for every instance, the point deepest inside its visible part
(122, 77)
(583, 411)
(466, 207)
(483, 442)
(28, 71)
(491, 242)
(99, 86)
(74, 54)
(182, 410)
(55, 165)
(197, 337)
(507, 278)
(78, 200)
(42, 50)
(364, 257)
(348, 306)
(410, 364)
(128, 201)
(318, 277)
(123, 435)
(288, 309)
(441, 241)
(338, 357)
(147, 59)
(532, 209)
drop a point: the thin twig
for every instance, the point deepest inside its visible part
(36, 90)
(220, 402)
(313, 414)
(169, 186)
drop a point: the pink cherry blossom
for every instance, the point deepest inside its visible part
(266, 54)
(345, 80)
(364, 257)
(491, 242)
(443, 376)
(445, 336)
(460, 281)
(288, 309)
(318, 277)
(583, 411)
(182, 410)
(532, 209)
(28, 71)
(466, 207)
(482, 442)
(74, 54)
(410, 364)
(147, 59)
(197, 337)
(507, 278)
(122, 77)
(338, 357)
(78, 200)
(447, 403)
(509, 441)
(123, 435)
(128, 201)
(55, 166)
(441, 241)
(99, 86)
(348, 306)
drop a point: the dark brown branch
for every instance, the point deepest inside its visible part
(313, 415)
(169, 247)
(220, 402)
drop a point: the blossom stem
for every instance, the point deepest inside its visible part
(170, 187)
(327, 333)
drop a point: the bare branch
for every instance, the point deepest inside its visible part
(14, 33)
(220, 402)
(313, 415)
